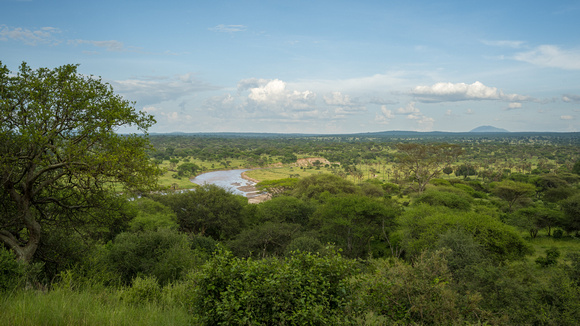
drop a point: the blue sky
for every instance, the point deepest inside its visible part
(316, 66)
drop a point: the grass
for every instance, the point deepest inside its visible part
(542, 242)
(83, 307)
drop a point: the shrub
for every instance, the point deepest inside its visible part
(164, 254)
(444, 198)
(551, 258)
(396, 293)
(143, 290)
(11, 270)
(422, 226)
(304, 289)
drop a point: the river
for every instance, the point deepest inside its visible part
(231, 180)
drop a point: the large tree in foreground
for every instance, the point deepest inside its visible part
(60, 155)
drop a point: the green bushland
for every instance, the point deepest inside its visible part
(352, 244)
(301, 289)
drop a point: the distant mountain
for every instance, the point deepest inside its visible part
(488, 129)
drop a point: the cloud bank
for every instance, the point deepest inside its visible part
(449, 92)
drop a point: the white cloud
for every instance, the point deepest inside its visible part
(150, 90)
(272, 98)
(566, 117)
(385, 116)
(410, 108)
(424, 123)
(551, 56)
(44, 35)
(449, 92)
(246, 84)
(571, 98)
(449, 112)
(228, 28)
(513, 106)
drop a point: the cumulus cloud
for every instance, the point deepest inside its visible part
(566, 117)
(411, 112)
(551, 56)
(151, 90)
(246, 84)
(43, 35)
(408, 109)
(513, 106)
(228, 28)
(424, 123)
(570, 98)
(449, 92)
(272, 99)
(385, 116)
(343, 104)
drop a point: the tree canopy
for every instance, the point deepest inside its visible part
(61, 155)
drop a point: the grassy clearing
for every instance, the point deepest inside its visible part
(543, 242)
(167, 180)
(66, 307)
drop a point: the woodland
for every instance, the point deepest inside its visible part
(390, 228)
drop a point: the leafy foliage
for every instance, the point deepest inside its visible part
(302, 289)
(208, 210)
(422, 226)
(60, 154)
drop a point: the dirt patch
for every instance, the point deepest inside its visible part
(304, 162)
(259, 198)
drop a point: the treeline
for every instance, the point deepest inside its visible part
(516, 153)
(325, 250)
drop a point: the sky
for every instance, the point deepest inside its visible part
(316, 66)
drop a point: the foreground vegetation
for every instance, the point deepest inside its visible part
(360, 230)
(326, 249)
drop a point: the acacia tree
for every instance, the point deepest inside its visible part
(60, 155)
(426, 161)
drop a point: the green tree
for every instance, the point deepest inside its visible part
(268, 239)
(571, 208)
(353, 222)
(465, 171)
(576, 167)
(313, 186)
(512, 191)
(208, 210)
(286, 209)
(187, 169)
(60, 155)
(424, 162)
(535, 218)
(422, 226)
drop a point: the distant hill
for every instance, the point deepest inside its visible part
(488, 129)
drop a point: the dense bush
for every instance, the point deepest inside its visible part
(393, 292)
(165, 255)
(303, 289)
(11, 271)
(444, 198)
(422, 226)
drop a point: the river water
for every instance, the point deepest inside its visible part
(231, 180)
